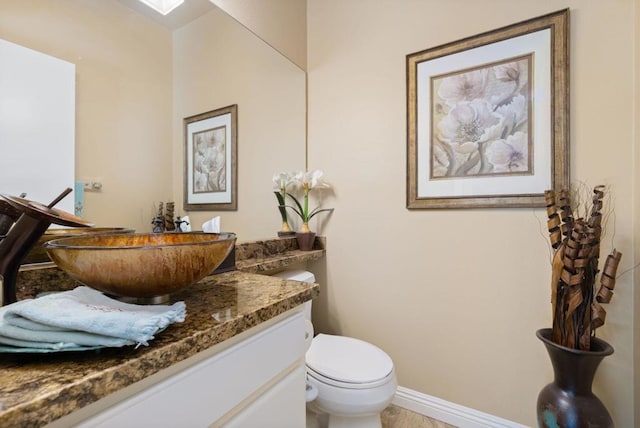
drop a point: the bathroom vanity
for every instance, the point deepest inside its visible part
(236, 359)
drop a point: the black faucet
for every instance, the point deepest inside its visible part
(8, 216)
(33, 221)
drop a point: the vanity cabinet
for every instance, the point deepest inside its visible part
(256, 380)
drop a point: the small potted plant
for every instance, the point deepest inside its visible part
(306, 182)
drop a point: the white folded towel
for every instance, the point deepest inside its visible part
(83, 317)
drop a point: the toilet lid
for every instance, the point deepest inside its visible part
(347, 360)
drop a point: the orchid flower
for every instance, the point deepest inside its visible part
(281, 181)
(307, 181)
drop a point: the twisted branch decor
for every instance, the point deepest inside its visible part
(169, 224)
(577, 310)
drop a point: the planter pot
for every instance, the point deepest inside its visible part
(568, 400)
(305, 240)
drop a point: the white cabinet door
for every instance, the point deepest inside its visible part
(221, 384)
(282, 406)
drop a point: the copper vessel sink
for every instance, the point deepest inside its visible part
(38, 253)
(141, 266)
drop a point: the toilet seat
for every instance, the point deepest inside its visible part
(347, 385)
(346, 362)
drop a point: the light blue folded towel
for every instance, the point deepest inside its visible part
(83, 317)
(56, 340)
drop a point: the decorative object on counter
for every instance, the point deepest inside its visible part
(81, 319)
(281, 181)
(574, 350)
(307, 181)
(473, 108)
(33, 222)
(181, 224)
(186, 224)
(169, 224)
(165, 220)
(210, 167)
(145, 268)
(158, 220)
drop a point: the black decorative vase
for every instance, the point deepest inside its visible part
(568, 402)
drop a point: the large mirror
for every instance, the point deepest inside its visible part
(136, 81)
(218, 59)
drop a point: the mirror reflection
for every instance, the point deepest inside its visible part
(136, 81)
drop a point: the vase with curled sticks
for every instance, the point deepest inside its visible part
(576, 300)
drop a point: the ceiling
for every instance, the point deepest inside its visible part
(180, 16)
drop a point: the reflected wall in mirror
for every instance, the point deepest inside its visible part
(280, 23)
(135, 82)
(218, 63)
(123, 98)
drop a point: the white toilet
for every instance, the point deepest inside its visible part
(354, 380)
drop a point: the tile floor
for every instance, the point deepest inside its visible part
(397, 417)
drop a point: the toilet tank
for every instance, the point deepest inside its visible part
(302, 276)
(297, 275)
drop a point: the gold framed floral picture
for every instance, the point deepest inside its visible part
(210, 165)
(488, 118)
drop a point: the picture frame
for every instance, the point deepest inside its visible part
(488, 117)
(210, 160)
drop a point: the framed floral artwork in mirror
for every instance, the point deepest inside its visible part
(488, 118)
(210, 164)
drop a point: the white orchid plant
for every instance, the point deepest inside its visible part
(281, 181)
(306, 182)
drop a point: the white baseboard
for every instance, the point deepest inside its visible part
(448, 412)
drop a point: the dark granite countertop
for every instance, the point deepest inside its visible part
(36, 389)
(271, 255)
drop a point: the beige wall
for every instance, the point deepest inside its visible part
(123, 98)
(455, 296)
(218, 62)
